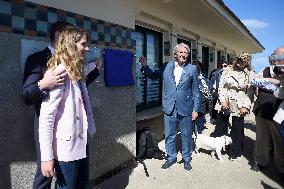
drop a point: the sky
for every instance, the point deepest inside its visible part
(265, 20)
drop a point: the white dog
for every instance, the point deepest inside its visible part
(216, 144)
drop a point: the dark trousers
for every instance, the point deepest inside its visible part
(198, 124)
(237, 135)
(265, 131)
(214, 113)
(40, 182)
(222, 124)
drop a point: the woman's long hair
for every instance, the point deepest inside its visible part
(243, 58)
(66, 52)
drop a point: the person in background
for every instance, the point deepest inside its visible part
(66, 116)
(37, 82)
(214, 80)
(235, 98)
(205, 99)
(181, 102)
(265, 107)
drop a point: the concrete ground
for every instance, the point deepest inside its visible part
(207, 171)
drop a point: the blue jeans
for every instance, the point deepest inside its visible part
(72, 174)
(185, 124)
(80, 169)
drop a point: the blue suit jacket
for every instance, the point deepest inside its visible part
(185, 96)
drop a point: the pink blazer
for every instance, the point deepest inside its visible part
(65, 119)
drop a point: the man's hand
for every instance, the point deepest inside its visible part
(225, 105)
(213, 92)
(47, 168)
(143, 61)
(52, 80)
(194, 115)
(243, 111)
(274, 81)
(99, 63)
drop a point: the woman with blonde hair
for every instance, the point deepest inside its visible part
(66, 115)
(236, 97)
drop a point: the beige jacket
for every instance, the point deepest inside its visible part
(235, 88)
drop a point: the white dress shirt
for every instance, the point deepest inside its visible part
(52, 50)
(177, 72)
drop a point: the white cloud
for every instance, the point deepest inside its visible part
(260, 63)
(254, 24)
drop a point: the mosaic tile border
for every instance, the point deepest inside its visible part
(26, 18)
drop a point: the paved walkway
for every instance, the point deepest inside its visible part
(207, 171)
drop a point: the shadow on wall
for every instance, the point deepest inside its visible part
(114, 112)
(114, 145)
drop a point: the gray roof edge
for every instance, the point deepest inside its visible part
(228, 10)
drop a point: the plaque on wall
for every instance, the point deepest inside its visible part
(118, 68)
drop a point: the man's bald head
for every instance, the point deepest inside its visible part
(277, 58)
(279, 50)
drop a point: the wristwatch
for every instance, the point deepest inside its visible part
(44, 91)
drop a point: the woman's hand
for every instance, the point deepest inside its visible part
(47, 168)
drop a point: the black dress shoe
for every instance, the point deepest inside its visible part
(169, 163)
(256, 167)
(233, 158)
(187, 166)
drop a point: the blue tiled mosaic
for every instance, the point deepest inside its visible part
(51, 17)
(30, 13)
(87, 25)
(24, 17)
(41, 26)
(5, 7)
(5, 20)
(18, 22)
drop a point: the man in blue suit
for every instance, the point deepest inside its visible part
(180, 102)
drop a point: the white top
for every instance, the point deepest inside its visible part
(177, 72)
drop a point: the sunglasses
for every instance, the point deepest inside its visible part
(224, 65)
